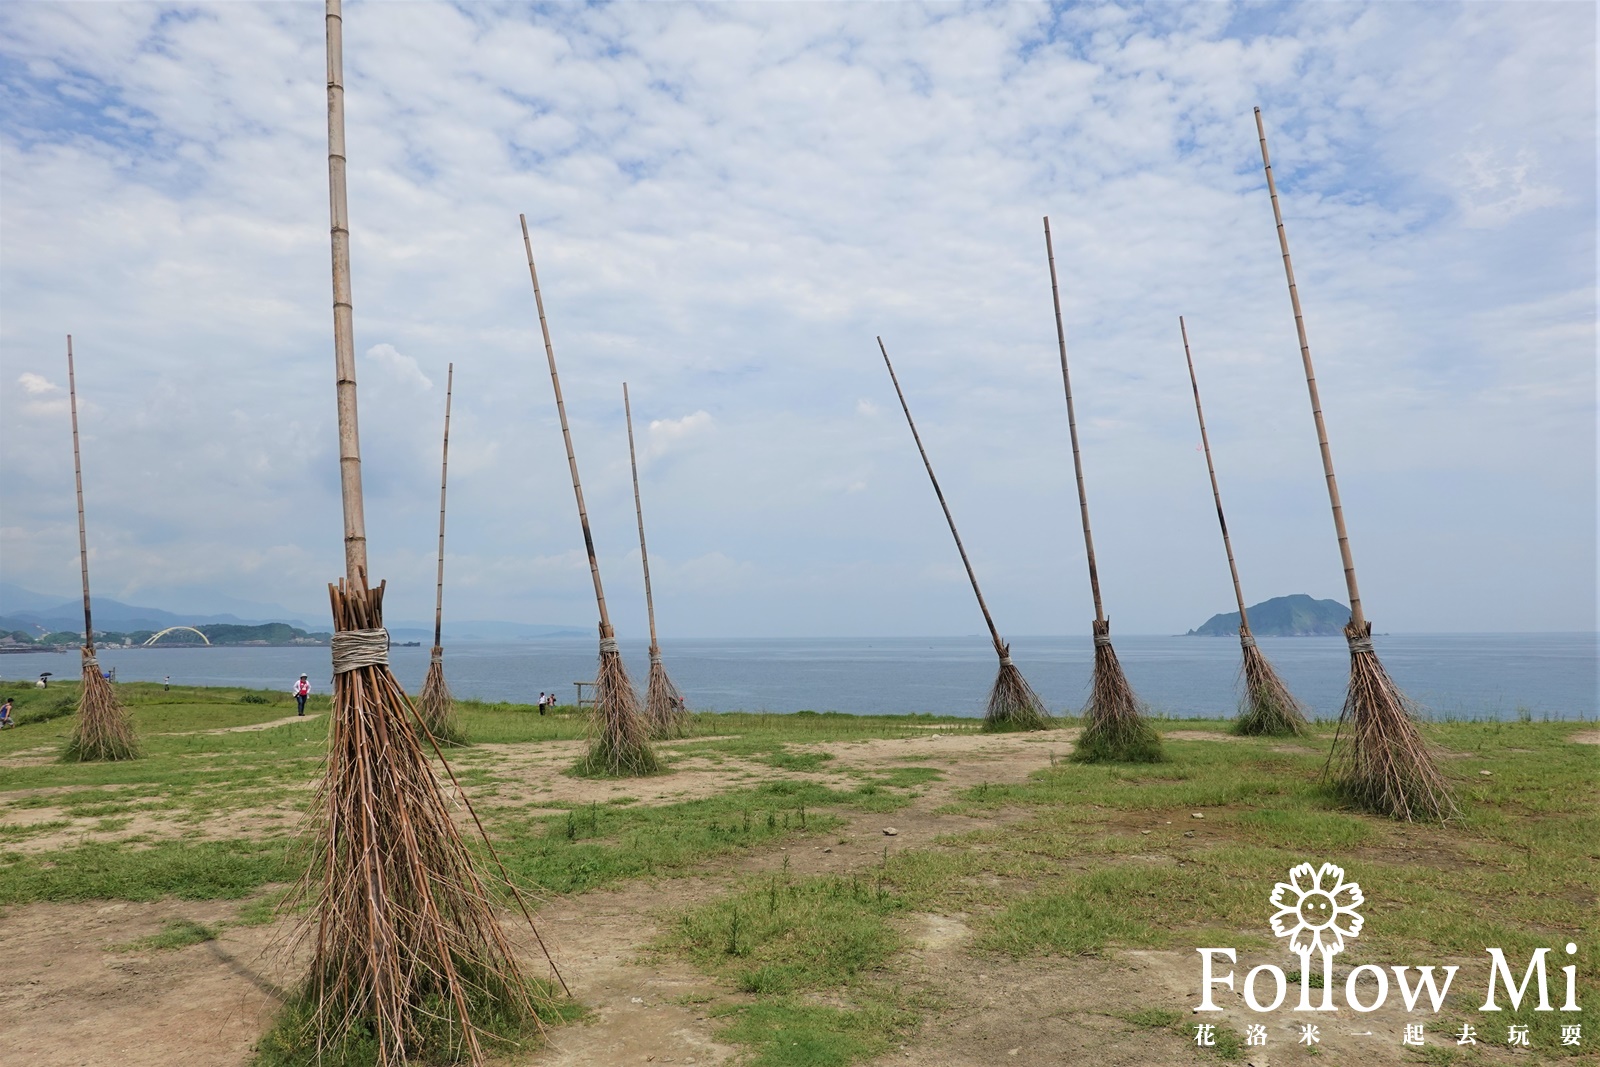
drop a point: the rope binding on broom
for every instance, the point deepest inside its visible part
(1247, 641)
(354, 649)
(437, 655)
(608, 644)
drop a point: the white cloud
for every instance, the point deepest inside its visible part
(37, 384)
(668, 435)
(1494, 192)
(728, 202)
(400, 368)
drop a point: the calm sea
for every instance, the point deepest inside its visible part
(1451, 675)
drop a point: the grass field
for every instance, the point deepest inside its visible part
(766, 871)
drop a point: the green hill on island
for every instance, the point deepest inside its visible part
(1282, 616)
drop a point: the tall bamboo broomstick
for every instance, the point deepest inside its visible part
(408, 949)
(1013, 705)
(1268, 707)
(619, 742)
(1114, 727)
(104, 730)
(1387, 765)
(435, 706)
(663, 701)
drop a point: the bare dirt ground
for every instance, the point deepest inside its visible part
(75, 996)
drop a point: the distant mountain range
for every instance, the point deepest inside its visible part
(39, 614)
(1282, 616)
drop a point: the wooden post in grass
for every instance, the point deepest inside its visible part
(1268, 707)
(1013, 705)
(619, 739)
(1114, 726)
(1385, 765)
(104, 729)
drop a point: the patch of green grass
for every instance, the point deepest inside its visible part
(788, 1033)
(189, 870)
(786, 760)
(599, 844)
(11, 832)
(779, 940)
(179, 933)
(1159, 1018)
(776, 937)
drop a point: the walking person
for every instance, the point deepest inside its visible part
(302, 689)
(542, 699)
(5, 715)
(166, 683)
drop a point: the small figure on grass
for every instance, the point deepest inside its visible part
(301, 690)
(6, 721)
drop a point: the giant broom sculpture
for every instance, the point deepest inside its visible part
(663, 701)
(1386, 765)
(104, 730)
(1268, 707)
(619, 738)
(1013, 705)
(436, 707)
(1114, 727)
(407, 947)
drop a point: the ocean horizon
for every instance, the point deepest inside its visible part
(1470, 676)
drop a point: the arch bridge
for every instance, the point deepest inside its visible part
(153, 638)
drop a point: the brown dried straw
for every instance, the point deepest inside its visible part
(664, 708)
(1013, 705)
(1267, 707)
(408, 949)
(1385, 764)
(104, 730)
(619, 739)
(1114, 725)
(436, 707)
(409, 960)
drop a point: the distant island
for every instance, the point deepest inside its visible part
(1282, 616)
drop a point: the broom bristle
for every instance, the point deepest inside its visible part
(664, 708)
(1013, 705)
(619, 737)
(437, 708)
(1385, 764)
(410, 961)
(1268, 708)
(1114, 726)
(105, 729)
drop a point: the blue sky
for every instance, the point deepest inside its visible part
(728, 203)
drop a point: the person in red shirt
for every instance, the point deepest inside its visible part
(302, 689)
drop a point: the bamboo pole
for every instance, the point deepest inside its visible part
(77, 473)
(344, 345)
(638, 509)
(606, 632)
(1072, 428)
(994, 633)
(1357, 619)
(444, 472)
(1216, 494)
(1013, 704)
